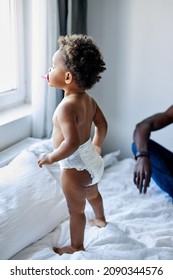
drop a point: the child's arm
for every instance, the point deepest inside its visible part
(101, 127)
(68, 123)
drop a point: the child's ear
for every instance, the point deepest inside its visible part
(68, 77)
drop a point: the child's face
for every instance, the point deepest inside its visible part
(56, 75)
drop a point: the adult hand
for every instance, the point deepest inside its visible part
(142, 173)
(44, 159)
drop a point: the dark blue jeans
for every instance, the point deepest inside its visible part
(161, 161)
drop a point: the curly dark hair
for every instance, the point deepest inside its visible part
(82, 58)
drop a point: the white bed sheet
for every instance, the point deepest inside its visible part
(139, 226)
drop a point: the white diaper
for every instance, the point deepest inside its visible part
(85, 158)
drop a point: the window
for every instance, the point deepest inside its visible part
(12, 76)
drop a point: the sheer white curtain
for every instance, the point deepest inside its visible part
(45, 35)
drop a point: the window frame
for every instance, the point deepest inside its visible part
(11, 98)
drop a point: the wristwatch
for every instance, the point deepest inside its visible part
(141, 154)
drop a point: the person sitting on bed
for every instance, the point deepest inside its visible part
(76, 67)
(152, 159)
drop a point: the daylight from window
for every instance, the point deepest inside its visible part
(8, 75)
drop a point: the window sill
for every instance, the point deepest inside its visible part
(13, 114)
(8, 154)
(15, 125)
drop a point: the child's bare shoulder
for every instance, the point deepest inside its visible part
(65, 108)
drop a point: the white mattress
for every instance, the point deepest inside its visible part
(139, 226)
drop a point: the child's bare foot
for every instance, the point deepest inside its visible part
(66, 250)
(98, 222)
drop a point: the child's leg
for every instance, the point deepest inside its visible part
(94, 198)
(73, 183)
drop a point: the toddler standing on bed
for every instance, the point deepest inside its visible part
(76, 67)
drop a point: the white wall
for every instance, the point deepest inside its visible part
(136, 40)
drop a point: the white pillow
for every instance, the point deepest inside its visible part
(31, 204)
(111, 158)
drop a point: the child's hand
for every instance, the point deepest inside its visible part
(98, 149)
(44, 159)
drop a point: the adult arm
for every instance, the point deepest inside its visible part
(142, 132)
